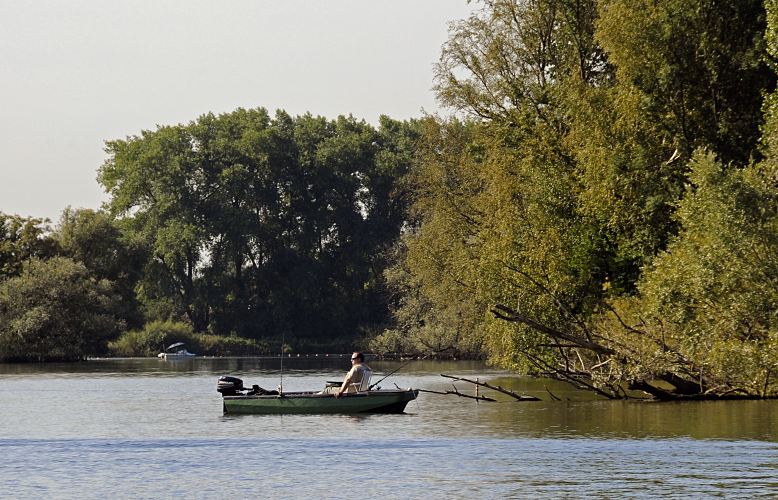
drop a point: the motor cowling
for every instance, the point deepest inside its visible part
(229, 386)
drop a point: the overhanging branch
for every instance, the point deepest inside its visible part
(505, 313)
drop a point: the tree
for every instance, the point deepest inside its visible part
(699, 67)
(56, 311)
(421, 326)
(155, 176)
(260, 224)
(95, 239)
(21, 240)
(540, 229)
(510, 55)
(707, 305)
(588, 114)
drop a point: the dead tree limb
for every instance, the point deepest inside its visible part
(576, 380)
(461, 395)
(517, 397)
(505, 313)
(553, 396)
(559, 303)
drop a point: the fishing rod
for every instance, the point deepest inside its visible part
(281, 385)
(392, 373)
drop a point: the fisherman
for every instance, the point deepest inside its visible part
(356, 375)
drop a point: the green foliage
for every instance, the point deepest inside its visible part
(508, 56)
(259, 224)
(55, 310)
(711, 297)
(556, 204)
(432, 275)
(699, 67)
(515, 212)
(21, 240)
(230, 345)
(152, 339)
(422, 327)
(156, 335)
(95, 239)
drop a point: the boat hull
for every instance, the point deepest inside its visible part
(165, 355)
(388, 401)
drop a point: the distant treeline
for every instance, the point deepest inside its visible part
(237, 225)
(604, 210)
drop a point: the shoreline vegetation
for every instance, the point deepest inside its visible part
(603, 210)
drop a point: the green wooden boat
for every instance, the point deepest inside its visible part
(383, 401)
(238, 400)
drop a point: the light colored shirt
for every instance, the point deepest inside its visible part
(356, 375)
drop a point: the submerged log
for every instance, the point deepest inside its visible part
(656, 392)
(682, 386)
(517, 397)
(663, 395)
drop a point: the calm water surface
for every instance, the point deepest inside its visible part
(146, 428)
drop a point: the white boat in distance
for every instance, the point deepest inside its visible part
(175, 351)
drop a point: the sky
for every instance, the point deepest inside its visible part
(77, 73)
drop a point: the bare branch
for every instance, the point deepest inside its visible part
(518, 397)
(502, 312)
(461, 395)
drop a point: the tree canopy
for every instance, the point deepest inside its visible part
(257, 224)
(611, 202)
(21, 240)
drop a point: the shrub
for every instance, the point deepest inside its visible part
(152, 339)
(156, 335)
(56, 311)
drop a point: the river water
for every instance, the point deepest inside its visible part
(147, 428)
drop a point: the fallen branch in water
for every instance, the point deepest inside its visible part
(551, 394)
(517, 397)
(461, 395)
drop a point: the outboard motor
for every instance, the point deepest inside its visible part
(229, 386)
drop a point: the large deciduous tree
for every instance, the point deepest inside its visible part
(261, 225)
(579, 192)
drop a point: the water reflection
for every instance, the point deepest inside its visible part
(236, 365)
(190, 384)
(633, 419)
(148, 428)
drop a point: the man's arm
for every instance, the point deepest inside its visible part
(346, 382)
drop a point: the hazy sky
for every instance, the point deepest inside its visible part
(76, 73)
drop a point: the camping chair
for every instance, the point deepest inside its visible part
(363, 384)
(359, 386)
